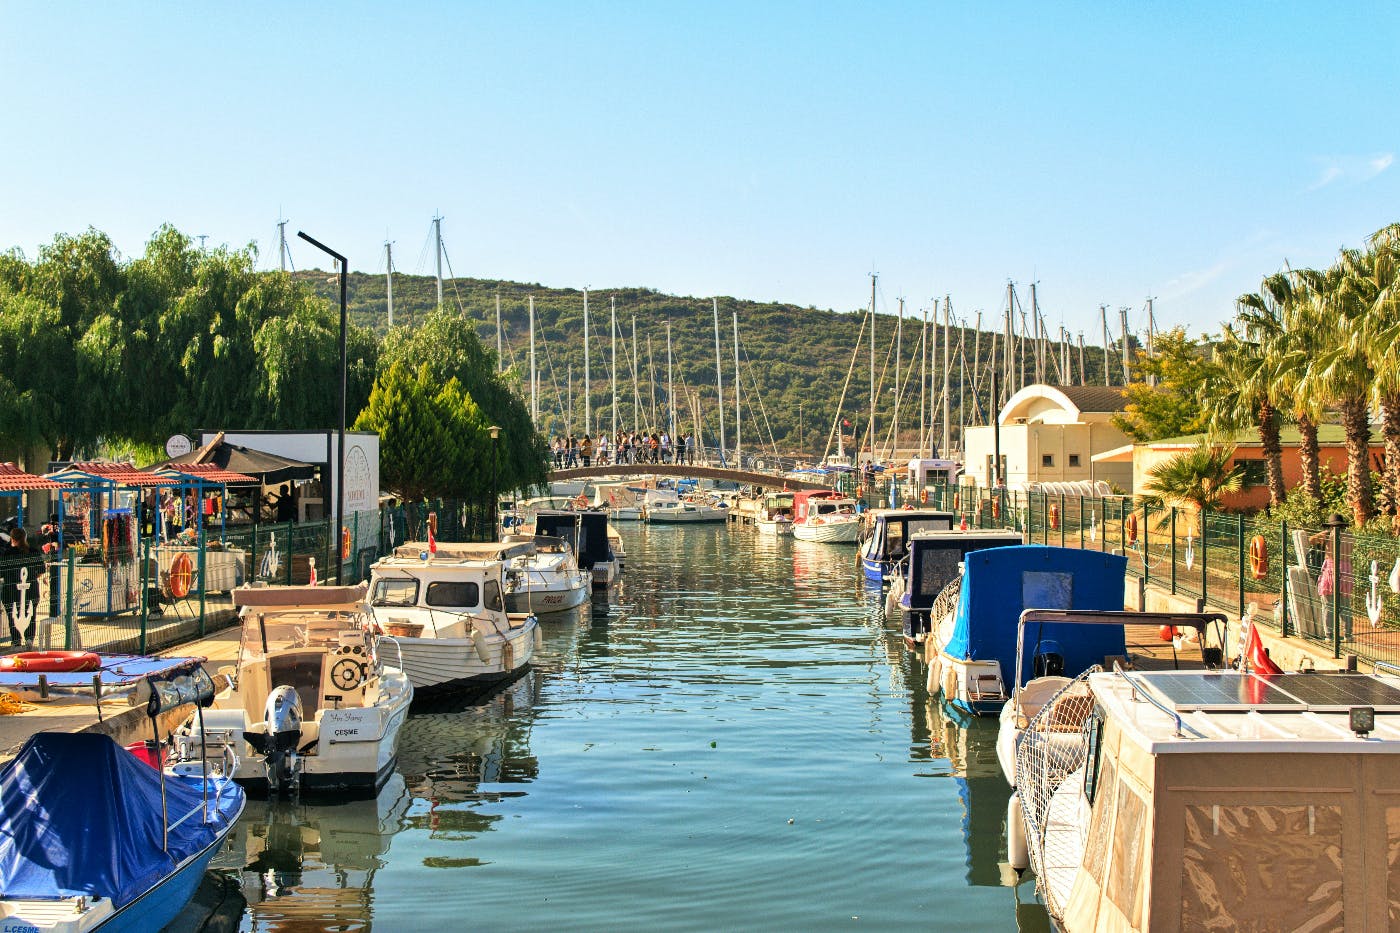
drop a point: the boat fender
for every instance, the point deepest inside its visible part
(483, 650)
(934, 669)
(539, 639)
(1017, 853)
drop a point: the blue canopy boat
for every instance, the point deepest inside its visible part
(974, 659)
(890, 531)
(935, 559)
(92, 838)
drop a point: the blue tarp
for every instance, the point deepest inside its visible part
(999, 583)
(79, 814)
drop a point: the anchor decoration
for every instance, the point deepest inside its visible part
(271, 561)
(1395, 577)
(1190, 551)
(1374, 603)
(22, 612)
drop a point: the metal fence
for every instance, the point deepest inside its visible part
(1324, 584)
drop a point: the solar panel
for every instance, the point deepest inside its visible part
(1218, 691)
(1329, 692)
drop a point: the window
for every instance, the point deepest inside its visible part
(493, 596)
(456, 595)
(1256, 473)
(1074, 460)
(395, 593)
(1047, 460)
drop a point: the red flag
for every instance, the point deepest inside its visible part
(312, 580)
(432, 529)
(1259, 660)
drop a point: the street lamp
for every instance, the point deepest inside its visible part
(495, 468)
(340, 444)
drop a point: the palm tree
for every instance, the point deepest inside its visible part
(1378, 336)
(1342, 375)
(1200, 477)
(1242, 394)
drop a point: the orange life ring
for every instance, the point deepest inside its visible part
(1054, 517)
(1130, 527)
(1167, 632)
(860, 492)
(957, 502)
(580, 501)
(51, 662)
(1258, 557)
(345, 544)
(908, 507)
(923, 497)
(996, 506)
(181, 576)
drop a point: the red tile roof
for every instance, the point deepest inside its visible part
(210, 472)
(123, 474)
(12, 478)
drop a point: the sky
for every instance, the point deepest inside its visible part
(1110, 152)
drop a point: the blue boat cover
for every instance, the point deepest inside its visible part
(999, 583)
(80, 815)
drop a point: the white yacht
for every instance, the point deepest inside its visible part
(774, 514)
(444, 607)
(825, 515)
(686, 511)
(313, 705)
(547, 579)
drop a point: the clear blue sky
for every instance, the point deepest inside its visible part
(770, 151)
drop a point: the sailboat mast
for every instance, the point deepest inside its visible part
(1103, 317)
(1123, 325)
(738, 414)
(587, 383)
(719, 379)
(500, 343)
(389, 278)
(1008, 360)
(670, 389)
(898, 395)
(612, 331)
(870, 432)
(437, 236)
(636, 381)
(534, 373)
(947, 367)
(282, 251)
(1083, 376)
(924, 383)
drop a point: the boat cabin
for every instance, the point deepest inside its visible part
(415, 589)
(890, 531)
(1224, 800)
(936, 560)
(809, 503)
(586, 531)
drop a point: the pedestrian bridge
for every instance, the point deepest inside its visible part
(767, 480)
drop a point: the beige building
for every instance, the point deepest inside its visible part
(1050, 434)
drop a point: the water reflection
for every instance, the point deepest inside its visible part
(302, 868)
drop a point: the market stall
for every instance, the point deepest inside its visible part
(186, 559)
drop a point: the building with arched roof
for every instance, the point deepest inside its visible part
(1050, 434)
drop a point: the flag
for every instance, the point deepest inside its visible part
(432, 537)
(312, 580)
(845, 423)
(1259, 660)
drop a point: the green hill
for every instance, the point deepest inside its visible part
(793, 360)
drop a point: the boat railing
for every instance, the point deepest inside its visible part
(1139, 693)
(395, 642)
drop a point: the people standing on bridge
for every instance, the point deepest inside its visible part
(602, 447)
(665, 447)
(689, 448)
(654, 445)
(585, 449)
(570, 451)
(558, 447)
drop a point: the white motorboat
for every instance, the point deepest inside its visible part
(444, 606)
(774, 513)
(548, 579)
(312, 705)
(686, 511)
(1214, 800)
(825, 515)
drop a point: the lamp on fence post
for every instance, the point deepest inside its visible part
(495, 471)
(340, 443)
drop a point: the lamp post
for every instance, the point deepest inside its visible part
(495, 468)
(340, 443)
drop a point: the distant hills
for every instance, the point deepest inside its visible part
(793, 360)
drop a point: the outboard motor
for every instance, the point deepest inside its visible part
(278, 745)
(1049, 662)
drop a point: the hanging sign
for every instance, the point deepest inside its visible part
(178, 445)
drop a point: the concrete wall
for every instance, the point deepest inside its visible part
(1025, 447)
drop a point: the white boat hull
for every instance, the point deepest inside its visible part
(843, 531)
(768, 527)
(435, 664)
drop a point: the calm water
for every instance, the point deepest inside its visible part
(735, 740)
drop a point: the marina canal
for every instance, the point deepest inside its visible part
(734, 739)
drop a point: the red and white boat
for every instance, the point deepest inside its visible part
(825, 515)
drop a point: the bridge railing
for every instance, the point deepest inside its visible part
(755, 460)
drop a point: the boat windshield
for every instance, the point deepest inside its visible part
(395, 592)
(269, 631)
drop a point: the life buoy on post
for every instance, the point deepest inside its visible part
(1130, 528)
(1054, 517)
(996, 506)
(181, 576)
(957, 502)
(345, 544)
(923, 497)
(580, 501)
(1258, 557)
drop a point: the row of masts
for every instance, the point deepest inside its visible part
(1016, 347)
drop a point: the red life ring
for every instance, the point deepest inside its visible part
(51, 662)
(923, 497)
(181, 576)
(580, 501)
(996, 506)
(1054, 517)
(345, 544)
(1258, 557)
(1167, 632)
(1130, 526)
